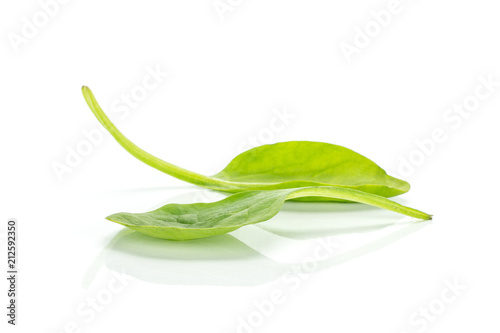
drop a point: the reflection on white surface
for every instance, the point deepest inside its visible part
(257, 254)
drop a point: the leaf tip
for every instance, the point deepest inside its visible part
(114, 218)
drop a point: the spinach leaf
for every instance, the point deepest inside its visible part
(199, 220)
(279, 166)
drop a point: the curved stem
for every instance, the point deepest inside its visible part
(155, 162)
(174, 170)
(357, 196)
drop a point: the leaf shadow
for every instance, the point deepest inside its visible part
(244, 258)
(306, 220)
(218, 260)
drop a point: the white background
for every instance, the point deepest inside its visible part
(228, 75)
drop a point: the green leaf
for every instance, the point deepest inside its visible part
(305, 163)
(280, 166)
(199, 220)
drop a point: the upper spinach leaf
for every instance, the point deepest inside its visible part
(305, 163)
(279, 166)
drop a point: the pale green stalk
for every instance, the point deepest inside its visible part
(153, 161)
(358, 196)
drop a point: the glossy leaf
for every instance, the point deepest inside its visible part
(305, 163)
(199, 220)
(279, 166)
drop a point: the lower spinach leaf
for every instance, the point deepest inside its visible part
(199, 220)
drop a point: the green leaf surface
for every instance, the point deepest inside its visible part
(199, 220)
(279, 166)
(305, 163)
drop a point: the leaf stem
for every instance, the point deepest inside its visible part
(358, 196)
(153, 161)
